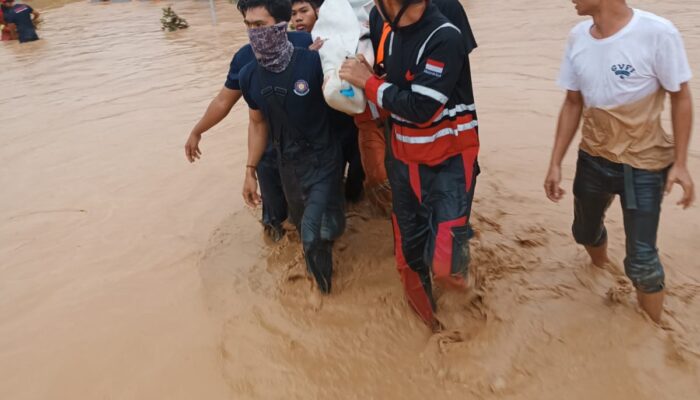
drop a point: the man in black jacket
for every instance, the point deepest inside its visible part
(425, 86)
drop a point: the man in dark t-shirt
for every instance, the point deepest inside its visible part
(283, 89)
(7, 31)
(274, 205)
(23, 17)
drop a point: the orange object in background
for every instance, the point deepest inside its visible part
(372, 147)
(372, 144)
(6, 33)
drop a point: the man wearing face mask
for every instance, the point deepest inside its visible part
(283, 90)
(432, 162)
(274, 204)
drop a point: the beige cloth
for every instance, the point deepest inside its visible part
(629, 134)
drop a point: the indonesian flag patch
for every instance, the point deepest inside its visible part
(434, 68)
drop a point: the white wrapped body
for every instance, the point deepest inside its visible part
(341, 23)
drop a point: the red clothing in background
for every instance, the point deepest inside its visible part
(5, 34)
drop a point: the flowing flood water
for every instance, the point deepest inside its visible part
(127, 273)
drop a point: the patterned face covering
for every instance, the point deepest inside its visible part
(271, 47)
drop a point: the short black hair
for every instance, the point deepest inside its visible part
(313, 3)
(280, 10)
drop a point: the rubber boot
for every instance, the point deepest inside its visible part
(319, 262)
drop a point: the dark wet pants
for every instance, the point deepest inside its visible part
(354, 180)
(312, 185)
(641, 192)
(431, 208)
(28, 37)
(274, 202)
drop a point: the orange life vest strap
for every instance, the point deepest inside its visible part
(380, 50)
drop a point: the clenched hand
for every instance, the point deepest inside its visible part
(552, 183)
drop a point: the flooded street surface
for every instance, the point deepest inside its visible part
(127, 273)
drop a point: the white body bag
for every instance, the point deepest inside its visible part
(341, 23)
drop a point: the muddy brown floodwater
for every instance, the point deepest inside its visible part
(127, 273)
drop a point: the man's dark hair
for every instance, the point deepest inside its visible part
(313, 3)
(280, 10)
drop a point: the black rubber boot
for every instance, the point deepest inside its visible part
(274, 232)
(319, 262)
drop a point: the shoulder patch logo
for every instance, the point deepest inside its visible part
(301, 87)
(623, 71)
(433, 67)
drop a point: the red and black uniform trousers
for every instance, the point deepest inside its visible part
(424, 83)
(431, 209)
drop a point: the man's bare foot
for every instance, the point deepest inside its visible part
(652, 304)
(599, 255)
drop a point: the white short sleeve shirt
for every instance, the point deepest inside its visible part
(643, 56)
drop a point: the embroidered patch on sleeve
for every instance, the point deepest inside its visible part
(434, 68)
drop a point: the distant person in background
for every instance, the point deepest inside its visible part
(7, 30)
(304, 17)
(23, 17)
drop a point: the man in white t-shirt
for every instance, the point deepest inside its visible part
(617, 69)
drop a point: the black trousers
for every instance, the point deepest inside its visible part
(312, 184)
(274, 203)
(597, 182)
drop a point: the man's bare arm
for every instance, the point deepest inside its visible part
(682, 119)
(218, 109)
(257, 142)
(569, 119)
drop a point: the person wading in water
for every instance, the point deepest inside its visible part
(432, 160)
(283, 89)
(617, 69)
